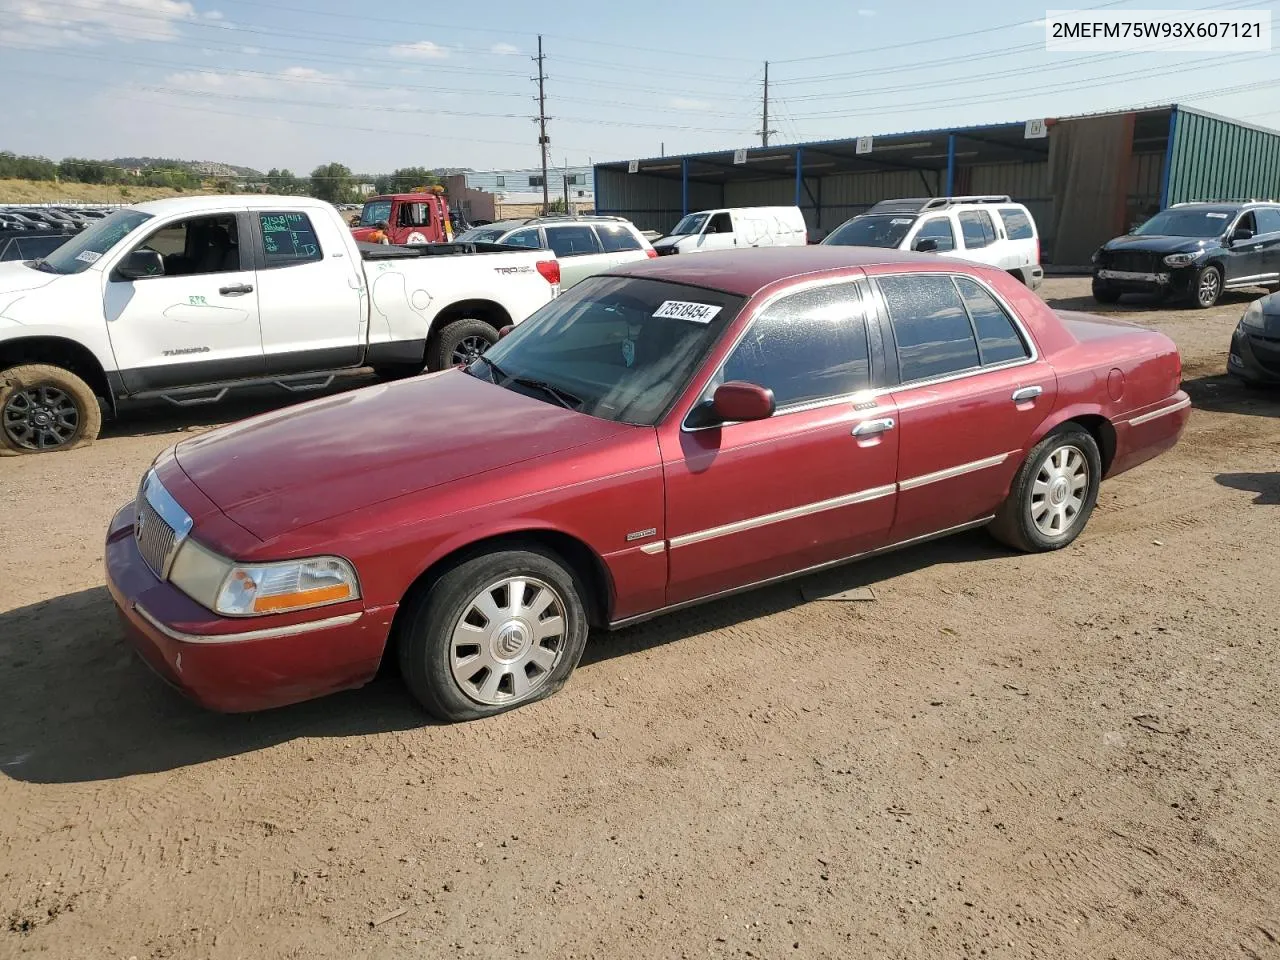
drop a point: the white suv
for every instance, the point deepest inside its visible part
(991, 230)
(584, 245)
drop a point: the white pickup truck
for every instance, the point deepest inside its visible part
(190, 298)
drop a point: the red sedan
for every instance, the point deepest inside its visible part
(674, 431)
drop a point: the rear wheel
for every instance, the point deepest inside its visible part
(499, 631)
(45, 408)
(461, 341)
(1208, 287)
(1053, 494)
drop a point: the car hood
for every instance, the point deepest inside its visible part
(1157, 244)
(16, 277)
(322, 459)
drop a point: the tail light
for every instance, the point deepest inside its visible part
(651, 253)
(550, 270)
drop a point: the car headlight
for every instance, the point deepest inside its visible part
(1252, 319)
(1180, 259)
(254, 590)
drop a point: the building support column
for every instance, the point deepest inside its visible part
(951, 164)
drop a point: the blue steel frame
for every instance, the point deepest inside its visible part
(1168, 157)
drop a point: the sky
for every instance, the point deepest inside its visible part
(395, 83)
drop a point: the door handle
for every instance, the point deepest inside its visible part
(868, 427)
(1027, 393)
(235, 289)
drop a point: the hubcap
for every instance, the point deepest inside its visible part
(469, 349)
(508, 640)
(1059, 491)
(40, 418)
(1209, 287)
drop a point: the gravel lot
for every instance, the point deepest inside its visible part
(1060, 756)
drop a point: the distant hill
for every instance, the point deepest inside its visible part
(202, 167)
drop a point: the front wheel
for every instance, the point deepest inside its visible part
(45, 408)
(1208, 287)
(461, 341)
(1105, 294)
(1053, 494)
(499, 631)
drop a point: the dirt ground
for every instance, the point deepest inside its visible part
(1070, 755)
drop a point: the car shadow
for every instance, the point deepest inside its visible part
(1141, 303)
(1265, 485)
(158, 417)
(1221, 393)
(81, 707)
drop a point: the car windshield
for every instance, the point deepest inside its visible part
(85, 249)
(1186, 223)
(878, 230)
(374, 212)
(617, 348)
(481, 235)
(689, 225)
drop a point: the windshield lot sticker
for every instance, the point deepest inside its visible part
(1217, 216)
(897, 221)
(88, 256)
(681, 310)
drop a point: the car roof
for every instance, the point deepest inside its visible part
(227, 202)
(746, 272)
(1223, 206)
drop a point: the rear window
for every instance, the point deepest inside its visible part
(1018, 225)
(616, 239)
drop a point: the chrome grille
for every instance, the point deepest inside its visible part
(155, 538)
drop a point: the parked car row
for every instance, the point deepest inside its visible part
(62, 219)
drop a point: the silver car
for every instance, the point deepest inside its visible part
(584, 246)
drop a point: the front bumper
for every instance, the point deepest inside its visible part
(1254, 358)
(1168, 282)
(235, 665)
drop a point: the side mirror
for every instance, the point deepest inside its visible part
(140, 264)
(734, 402)
(1241, 234)
(925, 245)
(505, 330)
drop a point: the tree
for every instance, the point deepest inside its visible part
(332, 182)
(283, 181)
(404, 180)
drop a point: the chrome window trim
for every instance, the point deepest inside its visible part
(684, 604)
(1162, 412)
(857, 281)
(959, 470)
(267, 633)
(791, 513)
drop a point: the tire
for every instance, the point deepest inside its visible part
(459, 342)
(44, 408)
(1104, 294)
(1023, 521)
(455, 679)
(1207, 287)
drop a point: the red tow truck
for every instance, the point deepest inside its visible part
(410, 218)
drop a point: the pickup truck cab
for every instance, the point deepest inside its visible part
(410, 218)
(189, 298)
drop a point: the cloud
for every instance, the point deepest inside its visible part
(250, 51)
(866, 12)
(422, 50)
(31, 23)
(213, 15)
(504, 49)
(685, 103)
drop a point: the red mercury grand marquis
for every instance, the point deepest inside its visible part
(672, 431)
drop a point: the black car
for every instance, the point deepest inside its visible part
(1255, 345)
(1193, 251)
(30, 244)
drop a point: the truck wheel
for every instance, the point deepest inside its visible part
(496, 632)
(461, 341)
(45, 408)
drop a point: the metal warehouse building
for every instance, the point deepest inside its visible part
(1085, 179)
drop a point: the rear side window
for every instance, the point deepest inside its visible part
(930, 326)
(288, 239)
(806, 347)
(524, 238)
(572, 241)
(1268, 219)
(616, 239)
(998, 339)
(1018, 225)
(977, 229)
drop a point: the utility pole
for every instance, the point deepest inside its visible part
(565, 177)
(764, 126)
(543, 139)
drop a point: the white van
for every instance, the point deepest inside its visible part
(992, 230)
(735, 227)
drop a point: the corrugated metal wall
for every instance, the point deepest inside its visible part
(1145, 171)
(1214, 159)
(651, 203)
